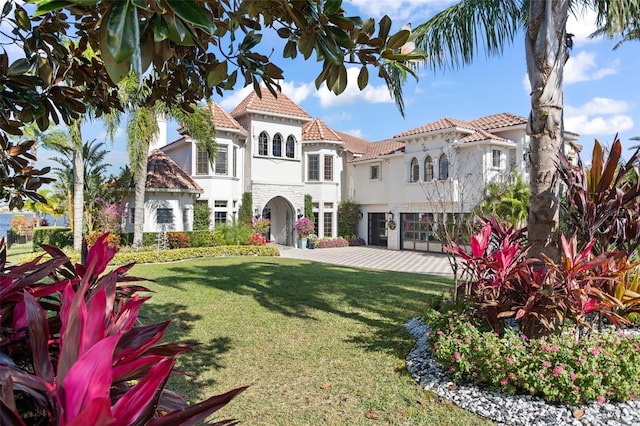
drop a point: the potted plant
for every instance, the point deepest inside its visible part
(311, 240)
(304, 226)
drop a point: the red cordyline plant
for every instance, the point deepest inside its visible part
(73, 353)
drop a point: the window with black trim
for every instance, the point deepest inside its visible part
(328, 224)
(290, 147)
(414, 172)
(428, 169)
(313, 167)
(164, 216)
(374, 172)
(202, 160)
(221, 161)
(443, 167)
(263, 144)
(276, 149)
(328, 168)
(495, 158)
(234, 163)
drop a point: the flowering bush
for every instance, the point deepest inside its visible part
(177, 240)
(258, 240)
(304, 226)
(356, 241)
(601, 366)
(260, 225)
(113, 240)
(331, 242)
(108, 216)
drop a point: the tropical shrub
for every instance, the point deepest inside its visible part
(177, 240)
(74, 352)
(260, 225)
(58, 236)
(331, 242)
(601, 366)
(113, 240)
(201, 216)
(349, 215)
(201, 238)
(229, 234)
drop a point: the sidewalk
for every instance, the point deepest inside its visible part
(375, 258)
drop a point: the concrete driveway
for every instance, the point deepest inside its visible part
(375, 258)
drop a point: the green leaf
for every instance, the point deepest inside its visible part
(250, 40)
(368, 26)
(19, 67)
(398, 39)
(115, 70)
(22, 19)
(123, 34)
(385, 26)
(290, 50)
(159, 27)
(46, 6)
(331, 7)
(306, 44)
(188, 11)
(363, 77)
(217, 74)
(231, 81)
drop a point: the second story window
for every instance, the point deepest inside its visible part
(290, 147)
(414, 172)
(202, 160)
(277, 145)
(374, 172)
(313, 167)
(443, 167)
(221, 161)
(428, 169)
(328, 168)
(263, 144)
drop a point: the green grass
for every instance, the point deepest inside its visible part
(318, 344)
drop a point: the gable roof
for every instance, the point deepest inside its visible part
(221, 119)
(443, 123)
(316, 130)
(281, 105)
(377, 149)
(164, 174)
(354, 144)
(497, 121)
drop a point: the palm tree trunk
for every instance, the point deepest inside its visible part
(546, 54)
(138, 223)
(78, 198)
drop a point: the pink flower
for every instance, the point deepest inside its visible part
(474, 375)
(452, 368)
(574, 376)
(582, 359)
(524, 337)
(596, 351)
(504, 381)
(601, 399)
(576, 388)
(546, 364)
(457, 356)
(510, 361)
(557, 370)
(458, 341)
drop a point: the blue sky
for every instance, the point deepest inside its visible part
(601, 87)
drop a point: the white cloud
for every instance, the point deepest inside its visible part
(598, 116)
(582, 26)
(371, 94)
(354, 132)
(583, 67)
(231, 100)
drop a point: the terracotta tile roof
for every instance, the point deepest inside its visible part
(481, 135)
(269, 104)
(164, 173)
(443, 123)
(354, 144)
(221, 119)
(376, 149)
(316, 130)
(497, 121)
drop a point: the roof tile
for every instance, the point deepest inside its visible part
(221, 119)
(269, 104)
(316, 130)
(376, 149)
(496, 121)
(164, 173)
(354, 144)
(443, 123)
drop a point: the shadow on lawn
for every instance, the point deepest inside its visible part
(191, 365)
(381, 300)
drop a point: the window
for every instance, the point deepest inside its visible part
(202, 160)
(328, 168)
(263, 144)
(495, 158)
(220, 204)
(132, 215)
(443, 167)
(290, 147)
(374, 172)
(428, 169)
(328, 206)
(164, 216)
(313, 167)
(414, 173)
(220, 217)
(328, 224)
(234, 163)
(221, 161)
(277, 145)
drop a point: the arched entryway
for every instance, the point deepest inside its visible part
(282, 216)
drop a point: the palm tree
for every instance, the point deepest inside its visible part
(451, 39)
(506, 201)
(142, 128)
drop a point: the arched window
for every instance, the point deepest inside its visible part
(428, 169)
(263, 144)
(290, 147)
(414, 173)
(443, 167)
(277, 145)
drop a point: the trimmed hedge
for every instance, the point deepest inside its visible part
(58, 236)
(159, 256)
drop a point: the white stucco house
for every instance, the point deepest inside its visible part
(272, 148)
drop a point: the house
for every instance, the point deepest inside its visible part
(409, 187)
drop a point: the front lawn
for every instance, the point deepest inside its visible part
(318, 344)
